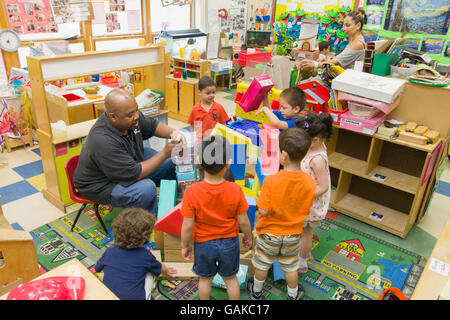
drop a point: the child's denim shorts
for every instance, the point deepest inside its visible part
(216, 256)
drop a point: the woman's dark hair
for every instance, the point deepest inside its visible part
(317, 125)
(358, 16)
(132, 227)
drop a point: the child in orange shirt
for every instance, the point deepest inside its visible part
(285, 200)
(205, 114)
(212, 210)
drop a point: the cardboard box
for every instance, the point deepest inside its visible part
(369, 85)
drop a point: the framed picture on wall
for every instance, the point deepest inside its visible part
(415, 17)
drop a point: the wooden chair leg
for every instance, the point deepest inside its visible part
(78, 216)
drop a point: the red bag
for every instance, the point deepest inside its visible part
(52, 288)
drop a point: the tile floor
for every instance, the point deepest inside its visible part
(22, 179)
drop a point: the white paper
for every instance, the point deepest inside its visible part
(331, 2)
(439, 267)
(345, 3)
(282, 2)
(291, 6)
(315, 7)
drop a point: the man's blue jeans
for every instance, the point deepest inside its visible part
(143, 193)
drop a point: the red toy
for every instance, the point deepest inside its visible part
(171, 222)
(52, 288)
(317, 96)
(258, 89)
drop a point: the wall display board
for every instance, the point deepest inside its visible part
(25, 17)
(427, 26)
(330, 14)
(229, 17)
(66, 11)
(115, 17)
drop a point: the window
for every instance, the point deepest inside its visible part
(174, 16)
(117, 44)
(117, 17)
(23, 52)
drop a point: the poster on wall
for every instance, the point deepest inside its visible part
(30, 16)
(433, 45)
(447, 51)
(370, 35)
(375, 3)
(374, 17)
(116, 17)
(414, 16)
(67, 11)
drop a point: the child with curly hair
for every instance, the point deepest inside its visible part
(129, 268)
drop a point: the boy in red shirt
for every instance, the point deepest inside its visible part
(205, 114)
(212, 210)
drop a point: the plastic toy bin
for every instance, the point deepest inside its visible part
(250, 59)
(362, 111)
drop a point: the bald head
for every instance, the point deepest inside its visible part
(118, 99)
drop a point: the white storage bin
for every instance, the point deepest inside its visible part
(362, 111)
(401, 73)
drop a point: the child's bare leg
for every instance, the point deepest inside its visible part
(261, 275)
(306, 242)
(204, 288)
(292, 283)
(233, 290)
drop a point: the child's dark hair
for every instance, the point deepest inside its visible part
(295, 97)
(295, 142)
(205, 82)
(358, 16)
(323, 45)
(317, 125)
(133, 227)
(215, 153)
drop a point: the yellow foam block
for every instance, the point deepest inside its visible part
(240, 182)
(256, 186)
(248, 192)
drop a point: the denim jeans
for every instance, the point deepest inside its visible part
(216, 256)
(143, 193)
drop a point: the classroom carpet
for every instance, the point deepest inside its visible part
(347, 263)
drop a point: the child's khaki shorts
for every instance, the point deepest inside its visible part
(284, 248)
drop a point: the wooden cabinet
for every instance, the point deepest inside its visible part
(181, 96)
(195, 68)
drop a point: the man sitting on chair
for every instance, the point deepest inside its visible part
(114, 167)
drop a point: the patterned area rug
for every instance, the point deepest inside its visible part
(347, 264)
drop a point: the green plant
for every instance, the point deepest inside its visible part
(285, 43)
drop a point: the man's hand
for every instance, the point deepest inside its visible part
(177, 135)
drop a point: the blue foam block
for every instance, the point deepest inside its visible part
(261, 175)
(278, 274)
(248, 128)
(238, 158)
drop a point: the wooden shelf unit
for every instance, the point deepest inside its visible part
(152, 62)
(199, 68)
(409, 169)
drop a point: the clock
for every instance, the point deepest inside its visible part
(9, 40)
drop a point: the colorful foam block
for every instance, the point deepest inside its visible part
(251, 212)
(171, 222)
(168, 192)
(255, 94)
(238, 159)
(241, 276)
(269, 153)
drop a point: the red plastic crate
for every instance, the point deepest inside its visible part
(250, 59)
(336, 115)
(72, 97)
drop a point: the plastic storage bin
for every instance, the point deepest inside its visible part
(382, 62)
(401, 73)
(362, 111)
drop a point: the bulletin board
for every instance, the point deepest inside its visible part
(427, 26)
(234, 26)
(25, 17)
(116, 17)
(310, 6)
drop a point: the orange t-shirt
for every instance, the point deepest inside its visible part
(208, 119)
(287, 196)
(215, 208)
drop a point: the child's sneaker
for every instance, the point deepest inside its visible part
(299, 294)
(253, 295)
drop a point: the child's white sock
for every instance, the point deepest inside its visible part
(303, 261)
(292, 292)
(257, 285)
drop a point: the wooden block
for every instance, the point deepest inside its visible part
(173, 242)
(410, 126)
(413, 138)
(175, 256)
(402, 128)
(420, 130)
(184, 271)
(432, 135)
(246, 259)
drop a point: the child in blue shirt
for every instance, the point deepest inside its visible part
(292, 102)
(129, 268)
